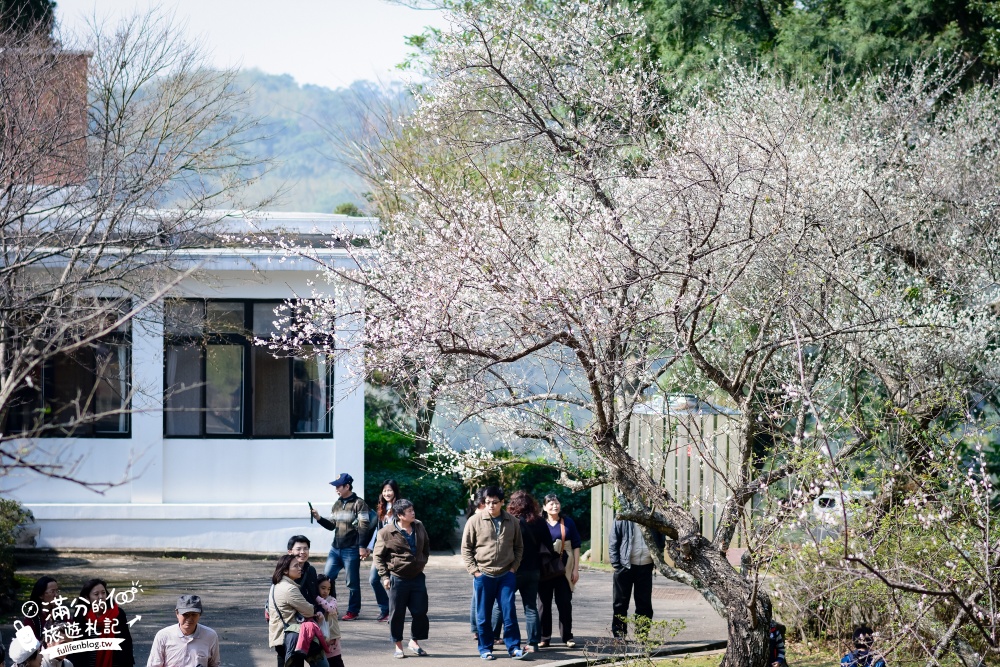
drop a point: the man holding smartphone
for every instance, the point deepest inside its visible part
(351, 525)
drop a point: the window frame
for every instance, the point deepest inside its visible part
(245, 340)
(45, 380)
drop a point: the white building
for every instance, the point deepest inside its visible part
(246, 440)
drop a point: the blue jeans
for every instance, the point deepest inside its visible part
(381, 597)
(527, 586)
(496, 589)
(348, 559)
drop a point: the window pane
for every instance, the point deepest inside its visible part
(183, 395)
(225, 317)
(310, 395)
(183, 318)
(69, 380)
(264, 318)
(112, 390)
(271, 396)
(26, 406)
(224, 389)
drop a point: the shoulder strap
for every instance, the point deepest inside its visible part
(277, 609)
(562, 531)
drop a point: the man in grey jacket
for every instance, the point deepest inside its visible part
(351, 525)
(633, 566)
(492, 548)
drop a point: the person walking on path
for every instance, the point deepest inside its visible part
(401, 552)
(566, 541)
(350, 525)
(388, 496)
(633, 565)
(187, 644)
(535, 534)
(492, 549)
(476, 504)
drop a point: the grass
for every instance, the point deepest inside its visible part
(799, 655)
(24, 585)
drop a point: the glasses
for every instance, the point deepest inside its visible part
(493, 502)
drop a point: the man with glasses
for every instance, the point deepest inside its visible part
(492, 548)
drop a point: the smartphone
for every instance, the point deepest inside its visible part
(310, 512)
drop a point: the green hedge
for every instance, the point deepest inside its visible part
(12, 515)
(437, 500)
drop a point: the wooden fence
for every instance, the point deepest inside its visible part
(686, 444)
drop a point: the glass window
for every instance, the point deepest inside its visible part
(183, 318)
(265, 320)
(182, 402)
(272, 417)
(84, 393)
(219, 384)
(226, 317)
(310, 395)
(224, 389)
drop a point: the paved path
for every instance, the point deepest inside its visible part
(234, 592)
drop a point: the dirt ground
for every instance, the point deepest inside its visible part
(234, 592)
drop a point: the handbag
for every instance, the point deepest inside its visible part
(551, 563)
(570, 560)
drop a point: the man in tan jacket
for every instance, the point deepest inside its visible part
(491, 550)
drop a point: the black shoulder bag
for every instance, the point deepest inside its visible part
(550, 563)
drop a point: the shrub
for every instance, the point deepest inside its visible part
(538, 479)
(12, 517)
(437, 500)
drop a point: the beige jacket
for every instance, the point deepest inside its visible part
(483, 550)
(288, 598)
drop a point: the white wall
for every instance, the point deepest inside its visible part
(233, 494)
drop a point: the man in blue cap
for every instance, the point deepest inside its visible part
(350, 523)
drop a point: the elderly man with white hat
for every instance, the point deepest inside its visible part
(187, 644)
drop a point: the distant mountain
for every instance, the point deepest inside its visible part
(301, 127)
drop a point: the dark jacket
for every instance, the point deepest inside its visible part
(349, 522)
(862, 658)
(309, 585)
(620, 544)
(120, 658)
(392, 553)
(536, 538)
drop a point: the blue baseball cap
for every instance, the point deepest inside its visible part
(342, 480)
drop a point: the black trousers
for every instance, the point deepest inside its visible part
(408, 594)
(637, 578)
(559, 588)
(296, 661)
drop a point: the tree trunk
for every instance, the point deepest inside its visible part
(735, 595)
(746, 608)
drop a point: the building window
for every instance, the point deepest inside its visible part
(219, 384)
(84, 393)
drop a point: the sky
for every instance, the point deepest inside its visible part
(325, 42)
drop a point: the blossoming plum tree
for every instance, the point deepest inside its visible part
(564, 234)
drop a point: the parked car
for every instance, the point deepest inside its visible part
(830, 505)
